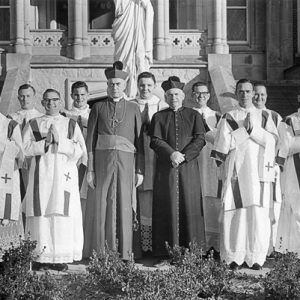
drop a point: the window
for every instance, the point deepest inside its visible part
(4, 20)
(50, 14)
(101, 14)
(185, 14)
(237, 21)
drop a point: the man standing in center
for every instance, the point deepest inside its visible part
(113, 171)
(177, 137)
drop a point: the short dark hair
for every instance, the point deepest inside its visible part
(199, 83)
(146, 75)
(259, 84)
(243, 80)
(79, 84)
(51, 91)
(25, 87)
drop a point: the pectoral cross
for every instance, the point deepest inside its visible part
(268, 166)
(67, 176)
(6, 178)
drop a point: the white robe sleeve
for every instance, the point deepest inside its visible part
(31, 147)
(73, 148)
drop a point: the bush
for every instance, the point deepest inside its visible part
(191, 276)
(283, 281)
(18, 282)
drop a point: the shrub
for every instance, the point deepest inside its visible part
(283, 281)
(191, 276)
(18, 282)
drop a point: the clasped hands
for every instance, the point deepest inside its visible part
(248, 123)
(52, 137)
(177, 158)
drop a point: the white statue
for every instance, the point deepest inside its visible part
(132, 32)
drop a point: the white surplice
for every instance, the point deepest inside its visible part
(288, 233)
(52, 200)
(210, 181)
(249, 170)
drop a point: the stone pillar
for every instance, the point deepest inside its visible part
(168, 42)
(70, 28)
(17, 25)
(27, 37)
(217, 27)
(159, 48)
(77, 23)
(85, 21)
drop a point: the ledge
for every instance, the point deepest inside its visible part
(55, 61)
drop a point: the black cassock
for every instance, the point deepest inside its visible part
(177, 205)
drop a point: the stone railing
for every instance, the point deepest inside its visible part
(188, 42)
(48, 42)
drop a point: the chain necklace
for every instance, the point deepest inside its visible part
(114, 121)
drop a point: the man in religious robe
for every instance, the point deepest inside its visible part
(26, 97)
(245, 143)
(132, 32)
(177, 137)
(80, 113)
(148, 104)
(113, 169)
(11, 159)
(52, 200)
(288, 233)
(211, 183)
(259, 101)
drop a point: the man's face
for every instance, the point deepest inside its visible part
(26, 98)
(52, 103)
(115, 87)
(80, 97)
(201, 96)
(174, 97)
(146, 87)
(260, 97)
(245, 94)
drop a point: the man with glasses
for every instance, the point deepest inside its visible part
(52, 200)
(245, 144)
(211, 184)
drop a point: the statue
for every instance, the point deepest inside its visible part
(132, 32)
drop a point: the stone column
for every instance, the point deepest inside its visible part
(168, 42)
(159, 48)
(70, 28)
(27, 37)
(85, 21)
(217, 27)
(77, 23)
(17, 25)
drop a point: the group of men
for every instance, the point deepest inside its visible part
(135, 175)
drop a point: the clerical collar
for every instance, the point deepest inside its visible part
(117, 99)
(152, 101)
(178, 109)
(251, 108)
(201, 110)
(80, 109)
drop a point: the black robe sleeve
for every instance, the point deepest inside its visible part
(193, 149)
(158, 144)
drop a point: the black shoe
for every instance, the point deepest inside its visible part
(234, 266)
(256, 267)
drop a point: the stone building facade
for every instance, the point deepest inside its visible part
(52, 43)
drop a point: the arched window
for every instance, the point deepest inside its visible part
(101, 14)
(4, 20)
